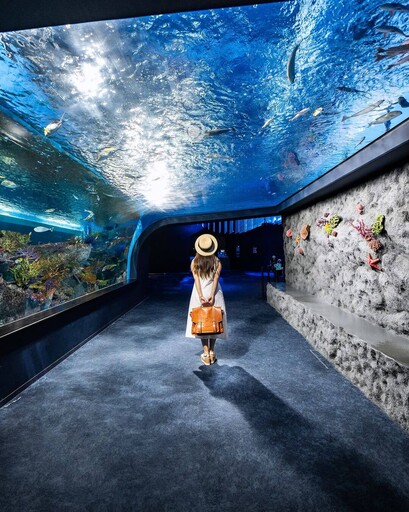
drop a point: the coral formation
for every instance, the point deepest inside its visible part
(12, 302)
(328, 229)
(375, 245)
(24, 272)
(359, 208)
(289, 233)
(374, 262)
(10, 241)
(334, 220)
(378, 226)
(297, 239)
(300, 250)
(305, 231)
(363, 230)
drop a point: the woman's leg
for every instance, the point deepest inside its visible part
(212, 353)
(205, 356)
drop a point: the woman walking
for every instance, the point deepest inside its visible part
(206, 269)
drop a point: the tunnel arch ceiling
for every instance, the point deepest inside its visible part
(191, 114)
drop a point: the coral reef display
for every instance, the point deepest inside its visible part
(341, 273)
(37, 277)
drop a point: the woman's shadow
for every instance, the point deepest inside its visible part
(339, 470)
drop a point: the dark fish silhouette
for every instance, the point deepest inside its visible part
(403, 102)
(218, 131)
(389, 29)
(393, 7)
(291, 64)
(343, 88)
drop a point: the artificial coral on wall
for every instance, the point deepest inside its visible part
(329, 222)
(369, 234)
(365, 269)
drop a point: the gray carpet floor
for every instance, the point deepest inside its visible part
(133, 421)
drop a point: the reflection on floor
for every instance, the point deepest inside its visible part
(134, 421)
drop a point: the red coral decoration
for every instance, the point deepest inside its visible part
(373, 262)
(289, 233)
(300, 250)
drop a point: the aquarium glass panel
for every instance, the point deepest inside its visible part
(109, 123)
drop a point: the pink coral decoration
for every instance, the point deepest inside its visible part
(363, 230)
(375, 245)
(289, 233)
(300, 250)
(359, 208)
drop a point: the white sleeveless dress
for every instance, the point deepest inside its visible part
(206, 285)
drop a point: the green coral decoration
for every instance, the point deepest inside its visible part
(328, 228)
(24, 272)
(10, 241)
(378, 226)
(334, 220)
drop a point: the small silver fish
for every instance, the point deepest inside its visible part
(90, 215)
(74, 196)
(53, 127)
(109, 267)
(104, 153)
(8, 184)
(392, 51)
(360, 142)
(393, 7)
(364, 111)
(386, 117)
(400, 61)
(317, 111)
(42, 229)
(267, 123)
(390, 29)
(300, 113)
(50, 210)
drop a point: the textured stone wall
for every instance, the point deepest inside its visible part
(380, 378)
(337, 269)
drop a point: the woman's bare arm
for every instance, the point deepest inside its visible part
(210, 299)
(197, 284)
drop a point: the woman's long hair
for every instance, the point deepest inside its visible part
(205, 266)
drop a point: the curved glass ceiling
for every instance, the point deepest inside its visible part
(199, 112)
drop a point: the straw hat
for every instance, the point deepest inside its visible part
(206, 245)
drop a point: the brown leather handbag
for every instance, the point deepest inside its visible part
(207, 320)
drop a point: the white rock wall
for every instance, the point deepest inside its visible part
(336, 268)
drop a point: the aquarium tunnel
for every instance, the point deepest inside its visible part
(281, 128)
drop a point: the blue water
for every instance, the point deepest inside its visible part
(139, 99)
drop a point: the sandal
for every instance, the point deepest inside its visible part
(205, 359)
(213, 357)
